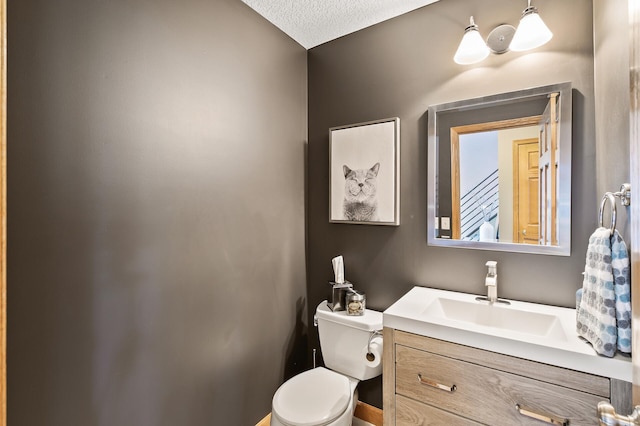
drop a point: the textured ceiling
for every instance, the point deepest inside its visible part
(313, 22)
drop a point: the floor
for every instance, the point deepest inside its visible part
(358, 422)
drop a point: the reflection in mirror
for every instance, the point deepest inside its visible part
(499, 173)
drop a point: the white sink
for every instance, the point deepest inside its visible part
(527, 330)
(499, 316)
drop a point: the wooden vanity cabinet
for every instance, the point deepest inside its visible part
(432, 382)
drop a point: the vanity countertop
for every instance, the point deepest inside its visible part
(421, 312)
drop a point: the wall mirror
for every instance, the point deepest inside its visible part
(499, 172)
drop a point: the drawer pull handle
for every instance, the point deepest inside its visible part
(542, 416)
(436, 385)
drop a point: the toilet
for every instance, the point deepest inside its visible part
(328, 396)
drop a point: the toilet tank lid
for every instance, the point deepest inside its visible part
(370, 321)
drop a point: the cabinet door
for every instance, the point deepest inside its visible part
(414, 413)
(486, 395)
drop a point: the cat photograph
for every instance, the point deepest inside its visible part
(364, 169)
(360, 194)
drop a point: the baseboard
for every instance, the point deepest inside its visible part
(365, 412)
(266, 421)
(369, 413)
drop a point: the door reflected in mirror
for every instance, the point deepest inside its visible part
(500, 172)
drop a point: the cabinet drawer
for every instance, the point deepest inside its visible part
(414, 413)
(583, 382)
(486, 395)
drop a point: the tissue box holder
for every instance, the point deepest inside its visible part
(338, 296)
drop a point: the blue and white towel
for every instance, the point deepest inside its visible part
(622, 290)
(604, 311)
(596, 318)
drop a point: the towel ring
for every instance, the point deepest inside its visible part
(608, 196)
(625, 199)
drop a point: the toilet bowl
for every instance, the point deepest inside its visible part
(328, 396)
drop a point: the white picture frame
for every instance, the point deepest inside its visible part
(366, 156)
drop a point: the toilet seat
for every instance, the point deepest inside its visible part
(315, 397)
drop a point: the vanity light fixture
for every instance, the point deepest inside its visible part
(472, 48)
(531, 33)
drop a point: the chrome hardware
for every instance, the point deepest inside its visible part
(608, 417)
(338, 295)
(486, 299)
(625, 199)
(491, 281)
(315, 320)
(612, 202)
(624, 194)
(370, 356)
(547, 418)
(314, 357)
(436, 385)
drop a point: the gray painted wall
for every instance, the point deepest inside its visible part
(156, 212)
(611, 62)
(399, 68)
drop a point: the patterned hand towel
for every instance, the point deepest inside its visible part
(622, 290)
(596, 318)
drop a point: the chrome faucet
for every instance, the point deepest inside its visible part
(491, 281)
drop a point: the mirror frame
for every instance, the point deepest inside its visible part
(564, 169)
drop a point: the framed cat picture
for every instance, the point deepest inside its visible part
(364, 173)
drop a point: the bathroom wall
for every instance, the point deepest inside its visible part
(611, 59)
(399, 68)
(156, 216)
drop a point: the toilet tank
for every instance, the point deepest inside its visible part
(344, 340)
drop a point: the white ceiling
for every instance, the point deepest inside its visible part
(313, 22)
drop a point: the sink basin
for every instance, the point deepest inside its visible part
(499, 316)
(527, 330)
